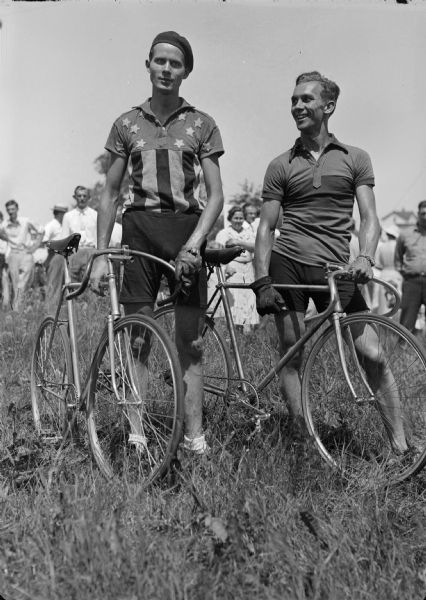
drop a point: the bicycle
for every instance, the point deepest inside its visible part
(352, 404)
(134, 416)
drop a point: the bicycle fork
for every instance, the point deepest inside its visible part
(353, 353)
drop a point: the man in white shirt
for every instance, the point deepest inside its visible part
(82, 219)
(55, 263)
(17, 232)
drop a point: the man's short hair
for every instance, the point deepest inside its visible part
(330, 89)
(11, 203)
(81, 187)
(421, 205)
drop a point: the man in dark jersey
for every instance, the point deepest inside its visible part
(315, 183)
(168, 147)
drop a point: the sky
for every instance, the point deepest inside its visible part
(69, 69)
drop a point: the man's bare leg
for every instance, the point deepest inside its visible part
(189, 323)
(290, 326)
(381, 378)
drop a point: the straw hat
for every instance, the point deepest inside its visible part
(60, 208)
(392, 230)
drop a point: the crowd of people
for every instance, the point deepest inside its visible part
(25, 260)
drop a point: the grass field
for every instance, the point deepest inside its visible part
(258, 519)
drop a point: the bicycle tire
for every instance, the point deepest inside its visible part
(217, 365)
(142, 403)
(352, 437)
(52, 388)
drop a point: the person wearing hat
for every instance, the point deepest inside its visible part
(410, 261)
(54, 264)
(169, 147)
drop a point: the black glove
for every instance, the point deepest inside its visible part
(187, 264)
(268, 299)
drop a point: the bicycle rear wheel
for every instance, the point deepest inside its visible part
(51, 380)
(135, 413)
(355, 437)
(217, 364)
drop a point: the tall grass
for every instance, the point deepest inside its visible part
(259, 518)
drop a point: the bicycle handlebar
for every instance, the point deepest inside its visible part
(119, 254)
(388, 286)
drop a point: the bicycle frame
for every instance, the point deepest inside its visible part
(70, 290)
(333, 312)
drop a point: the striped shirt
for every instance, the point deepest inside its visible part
(164, 160)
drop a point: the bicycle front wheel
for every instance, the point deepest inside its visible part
(383, 430)
(217, 364)
(52, 390)
(135, 401)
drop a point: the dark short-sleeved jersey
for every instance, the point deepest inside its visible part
(317, 198)
(164, 161)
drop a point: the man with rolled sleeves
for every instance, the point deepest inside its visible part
(410, 261)
(168, 146)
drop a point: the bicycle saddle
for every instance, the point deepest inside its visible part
(66, 246)
(222, 256)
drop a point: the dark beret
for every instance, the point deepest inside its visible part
(173, 38)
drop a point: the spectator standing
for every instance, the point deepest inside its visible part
(82, 219)
(410, 261)
(54, 263)
(385, 265)
(251, 216)
(169, 144)
(17, 232)
(241, 269)
(4, 276)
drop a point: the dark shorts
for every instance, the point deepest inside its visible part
(285, 270)
(163, 235)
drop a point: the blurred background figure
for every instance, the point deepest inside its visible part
(82, 219)
(251, 217)
(385, 265)
(4, 273)
(54, 264)
(23, 238)
(410, 261)
(241, 269)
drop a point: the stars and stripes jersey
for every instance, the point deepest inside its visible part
(164, 160)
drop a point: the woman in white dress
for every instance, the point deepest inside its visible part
(241, 269)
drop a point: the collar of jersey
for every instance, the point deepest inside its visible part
(299, 148)
(145, 107)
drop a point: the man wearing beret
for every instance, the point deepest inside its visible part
(168, 147)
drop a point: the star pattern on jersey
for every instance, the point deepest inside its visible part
(126, 122)
(190, 131)
(140, 143)
(179, 143)
(198, 122)
(207, 147)
(134, 128)
(182, 116)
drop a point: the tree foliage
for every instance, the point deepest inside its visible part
(250, 193)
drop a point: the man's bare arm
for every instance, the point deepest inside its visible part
(369, 233)
(211, 212)
(107, 211)
(265, 237)
(108, 202)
